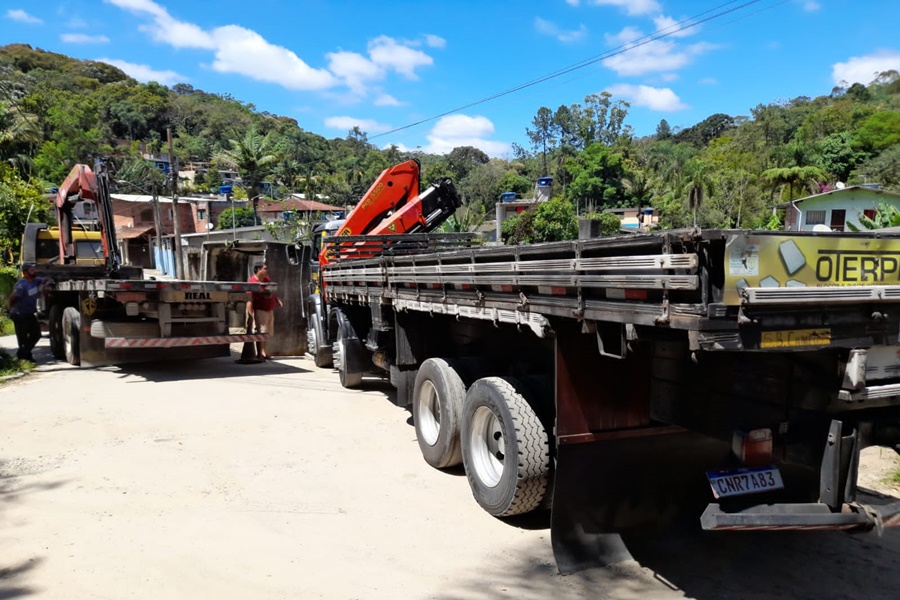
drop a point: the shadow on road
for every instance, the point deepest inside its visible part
(8, 575)
(707, 566)
(208, 368)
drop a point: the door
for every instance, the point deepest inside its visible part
(838, 219)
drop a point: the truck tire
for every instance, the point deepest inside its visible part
(321, 353)
(55, 332)
(438, 396)
(505, 448)
(339, 352)
(71, 330)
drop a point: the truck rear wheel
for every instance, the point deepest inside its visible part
(71, 330)
(55, 332)
(505, 448)
(438, 396)
(320, 353)
(339, 354)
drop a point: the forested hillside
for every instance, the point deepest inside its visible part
(726, 171)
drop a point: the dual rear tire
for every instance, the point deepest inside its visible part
(491, 428)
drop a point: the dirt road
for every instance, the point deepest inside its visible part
(226, 481)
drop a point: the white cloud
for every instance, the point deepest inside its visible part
(83, 38)
(548, 28)
(387, 100)
(864, 69)
(658, 99)
(17, 14)
(453, 131)
(435, 41)
(670, 27)
(145, 73)
(572, 2)
(245, 52)
(348, 123)
(650, 57)
(354, 70)
(632, 7)
(387, 53)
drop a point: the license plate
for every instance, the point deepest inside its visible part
(738, 482)
(794, 338)
(194, 296)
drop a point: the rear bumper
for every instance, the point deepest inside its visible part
(811, 517)
(175, 342)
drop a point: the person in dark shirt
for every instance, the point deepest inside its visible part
(261, 307)
(22, 305)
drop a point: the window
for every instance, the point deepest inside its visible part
(201, 214)
(815, 217)
(146, 215)
(88, 208)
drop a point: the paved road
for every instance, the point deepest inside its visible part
(228, 481)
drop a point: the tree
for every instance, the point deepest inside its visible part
(20, 203)
(663, 130)
(253, 160)
(239, 217)
(698, 184)
(793, 177)
(550, 221)
(541, 136)
(463, 159)
(597, 176)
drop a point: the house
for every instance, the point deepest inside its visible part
(835, 209)
(271, 211)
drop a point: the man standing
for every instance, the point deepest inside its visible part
(22, 305)
(261, 307)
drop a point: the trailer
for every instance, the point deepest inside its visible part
(620, 381)
(104, 313)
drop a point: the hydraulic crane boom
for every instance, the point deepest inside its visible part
(393, 205)
(80, 185)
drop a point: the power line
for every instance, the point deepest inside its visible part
(665, 32)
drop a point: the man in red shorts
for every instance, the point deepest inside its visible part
(261, 306)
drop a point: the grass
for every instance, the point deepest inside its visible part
(10, 365)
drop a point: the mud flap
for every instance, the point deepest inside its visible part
(620, 485)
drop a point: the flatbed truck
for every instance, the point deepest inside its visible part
(617, 381)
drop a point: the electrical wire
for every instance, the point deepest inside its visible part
(676, 28)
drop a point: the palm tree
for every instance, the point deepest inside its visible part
(698, 183)
(19, 132)
(792, 176)
(251, 157)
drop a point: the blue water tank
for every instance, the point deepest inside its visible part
(224, 189)
(508, 197)
(545, 181)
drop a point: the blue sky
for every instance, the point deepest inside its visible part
(386, 65)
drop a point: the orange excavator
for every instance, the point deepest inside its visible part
(393, 205)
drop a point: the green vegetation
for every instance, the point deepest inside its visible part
(725, 171)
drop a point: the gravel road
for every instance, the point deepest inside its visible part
(269, 481)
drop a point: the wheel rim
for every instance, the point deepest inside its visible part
(429, 417)
(68, 341)
(487, 446)
(338, 355)
(311, 343)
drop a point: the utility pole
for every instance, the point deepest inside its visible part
(157, 223)
(173, 170)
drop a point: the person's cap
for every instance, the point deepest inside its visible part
(28, 265)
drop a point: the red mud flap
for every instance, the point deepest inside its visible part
(809, 517)
(175, 342)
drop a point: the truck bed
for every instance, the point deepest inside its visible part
(728, 289)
